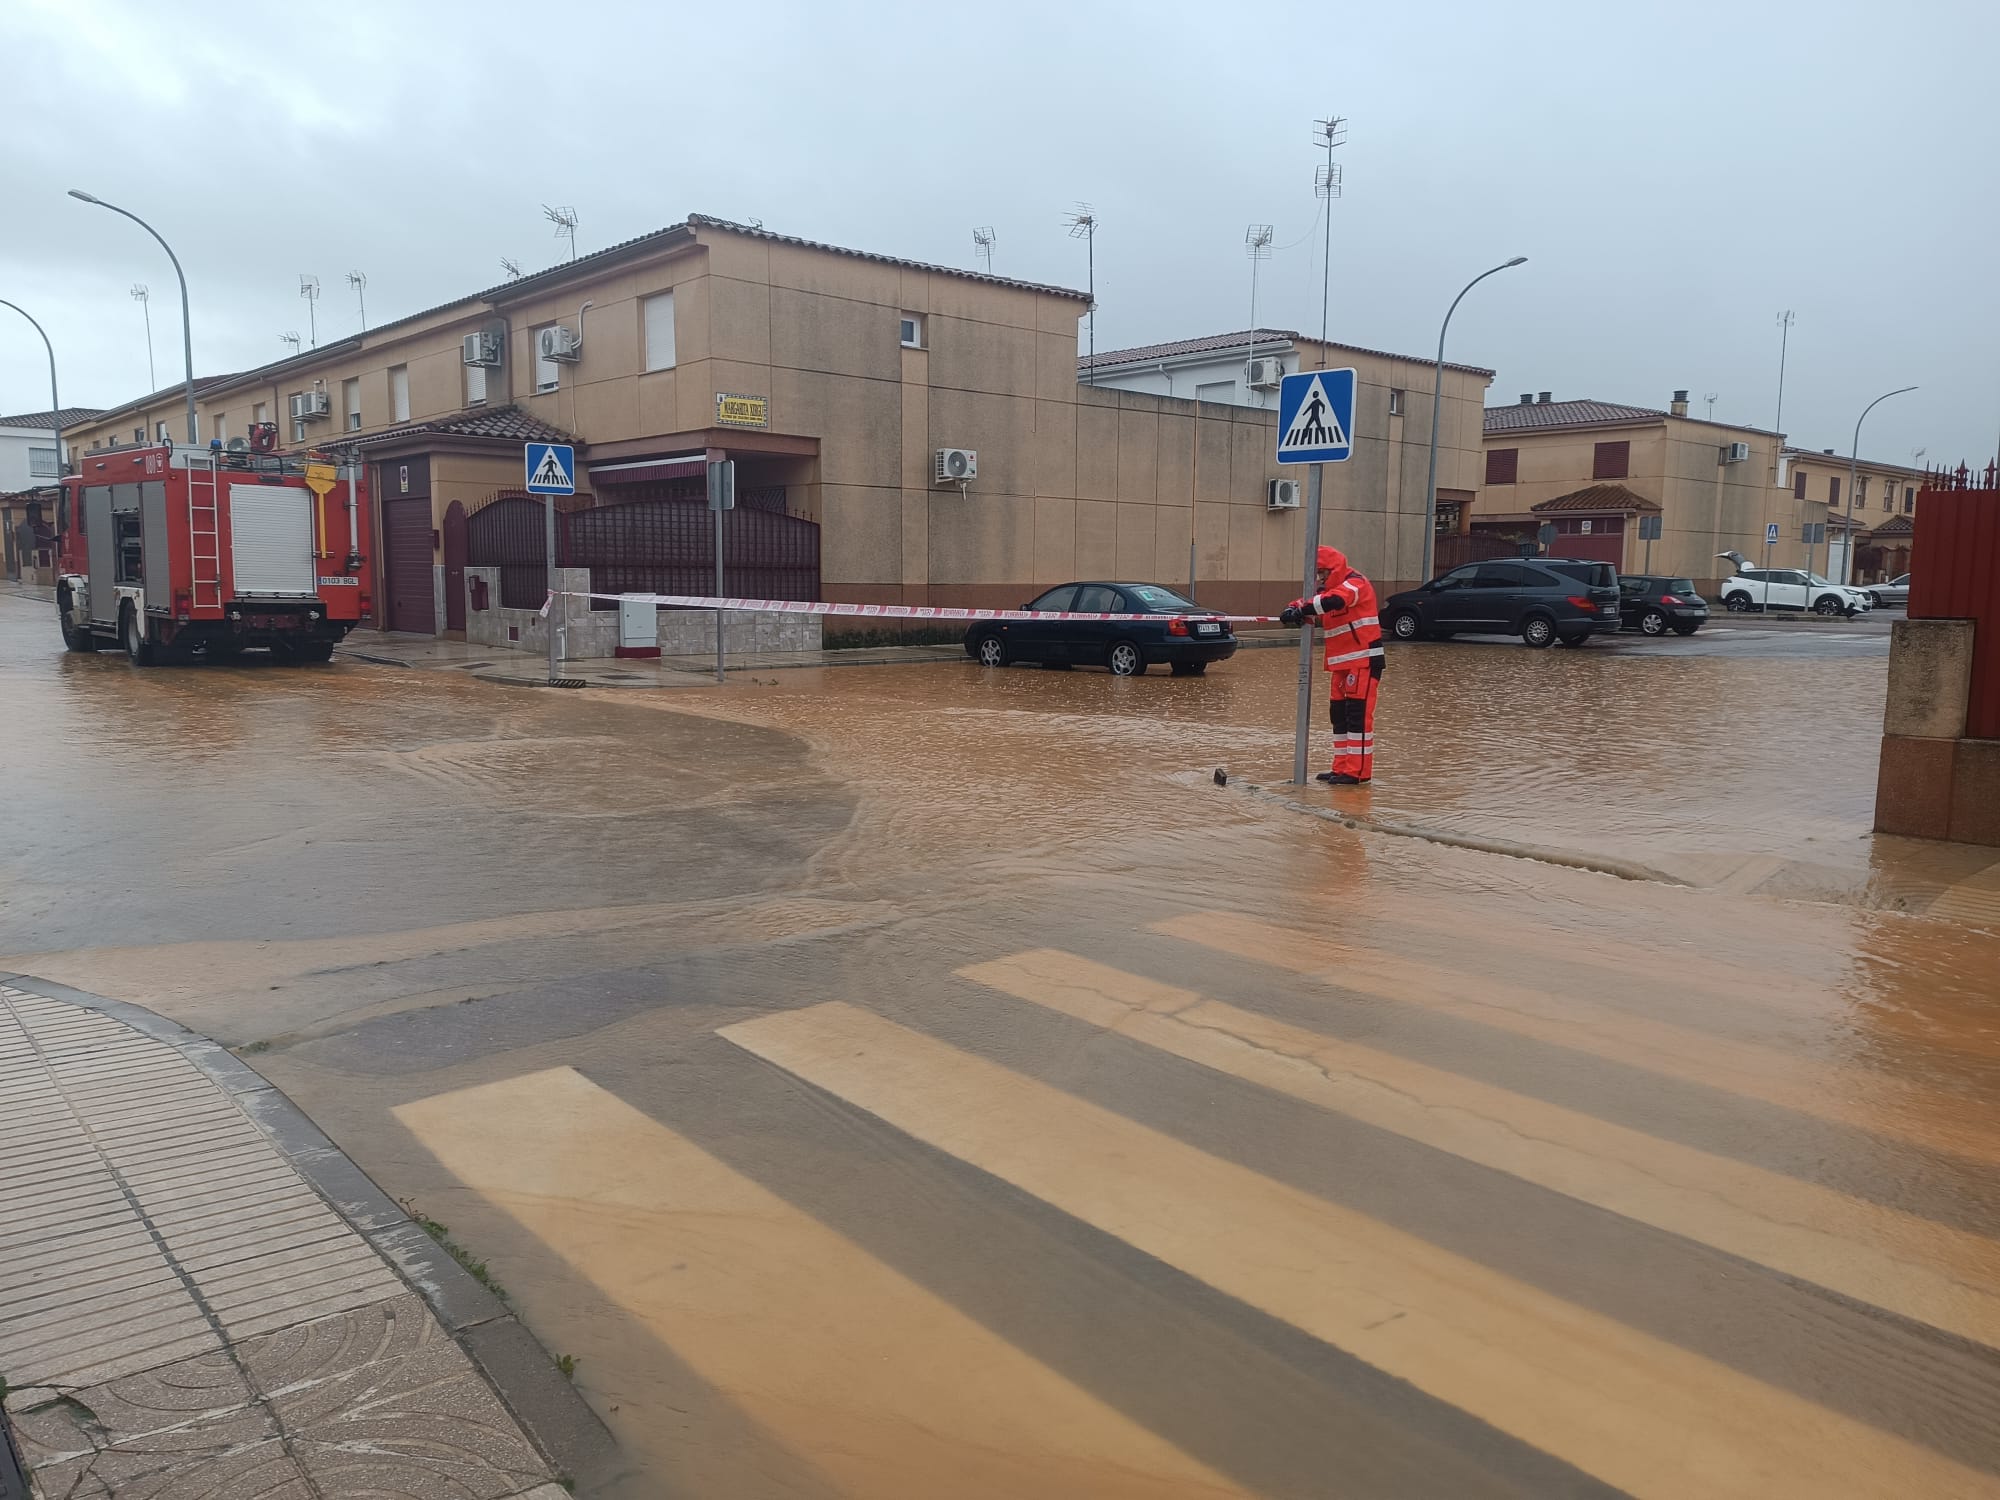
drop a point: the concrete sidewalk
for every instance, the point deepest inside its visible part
(200, 1296)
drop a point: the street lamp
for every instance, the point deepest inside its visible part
(1437, 400)
(187, 322)
(1853, 463)
(55, 401)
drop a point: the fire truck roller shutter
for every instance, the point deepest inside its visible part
(271, 541)
(155, 570)
(102, 534)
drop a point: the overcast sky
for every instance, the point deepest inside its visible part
(1676, 174)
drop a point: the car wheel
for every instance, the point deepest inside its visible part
(1828, 604)
(133, 633)
(1686, 629)
(1189, 668)
(1538, 631)
(1736, 604)
(1875, 600)
(992, 651)
(1653, 622)
(1125, 659)
(1404, 625)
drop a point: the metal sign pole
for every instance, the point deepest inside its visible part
(1303, 734)
(721, 672)
(555, 599)
(721, 497)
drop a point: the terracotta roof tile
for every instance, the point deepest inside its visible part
(500, 423)
(71, 417)
(1599, 497)
(1221, 342)
(1526, 417)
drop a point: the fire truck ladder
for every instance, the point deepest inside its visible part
(205, 535)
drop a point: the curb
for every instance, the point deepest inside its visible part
(544, 1403)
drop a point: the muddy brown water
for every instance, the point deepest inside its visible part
(922, 1080)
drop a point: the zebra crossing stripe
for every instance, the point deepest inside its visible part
(809, 1334)
(1841, 1094)
(1878, 1255)
(1641, 1414)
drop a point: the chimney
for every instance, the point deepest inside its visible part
(1826, 450)
(1527, 398)
(1542, 398)
(1680, 406)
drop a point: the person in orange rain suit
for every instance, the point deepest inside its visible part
(1344, 606)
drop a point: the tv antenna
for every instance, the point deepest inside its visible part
(1332, 132)
(141, 296)
(290, 338)
(511, 266)
(1256, 245)
(982, 245)
(565, 221)
(309, 289)
(359, 282)
(1083, 226)
(1710, 399)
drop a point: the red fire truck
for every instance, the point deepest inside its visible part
(187, 553)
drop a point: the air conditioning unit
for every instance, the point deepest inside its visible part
(558, 342)
(307, 405)
(955, 466)
(1736, 453)
(482, 348)
(1264, 374)
(1283, 494)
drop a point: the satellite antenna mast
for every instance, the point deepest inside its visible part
(565, 221)
(511, 266)
(1256, 245)
(309, 289)
(359, 282)
(982, 246)
(1083, 226)
(1326, 184)
(141, 296)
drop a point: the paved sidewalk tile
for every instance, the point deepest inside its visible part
(184, 1317)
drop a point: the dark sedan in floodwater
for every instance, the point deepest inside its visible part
(1183, 636)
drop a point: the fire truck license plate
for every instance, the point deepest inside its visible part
(326, 583)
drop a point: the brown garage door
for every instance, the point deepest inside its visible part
(406, 543)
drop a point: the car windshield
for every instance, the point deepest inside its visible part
(1818, 582)
(1159, 600)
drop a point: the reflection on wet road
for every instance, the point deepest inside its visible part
(921, 1080)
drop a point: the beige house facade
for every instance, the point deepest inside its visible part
(1881, 510)
(1596, 469)
(834, 378)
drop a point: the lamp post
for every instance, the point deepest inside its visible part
(187, 321)
(1437, 400)
(55, 401)
(1853, 464)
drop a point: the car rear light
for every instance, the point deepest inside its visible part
(1177, 626)
(1582, 603)
(1671, 599)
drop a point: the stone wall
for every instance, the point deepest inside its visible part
(1933, 782)
(589, 633)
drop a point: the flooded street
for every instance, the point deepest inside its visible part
(924, 1080)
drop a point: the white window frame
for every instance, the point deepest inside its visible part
(350, 400)
(218, 423)
(399, 393)
(475, 385)
(42, 464)
(298, 429)
(915, 322)
(1395, 402)
(656, 332)
(552, 380)
(159, 432)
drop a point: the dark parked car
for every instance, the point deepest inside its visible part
(1186, 637)
(1657, 604)
(1543, 600)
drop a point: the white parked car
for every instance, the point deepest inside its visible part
(1789, 589)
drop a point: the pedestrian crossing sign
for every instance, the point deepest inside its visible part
(551, 469)
(1316, 417)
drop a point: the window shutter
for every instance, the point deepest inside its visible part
(1799, 484)
(1502, 464)
(1611, 461)
(1833, 489)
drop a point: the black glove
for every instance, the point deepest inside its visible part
(1291, 614)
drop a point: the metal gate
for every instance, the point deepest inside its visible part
(406, 547)
(653, 546)
(454, 566)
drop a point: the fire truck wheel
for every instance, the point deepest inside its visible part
(77, 638)
(137, 647)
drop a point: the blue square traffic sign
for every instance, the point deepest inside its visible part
(1316, 417)
(551, 469)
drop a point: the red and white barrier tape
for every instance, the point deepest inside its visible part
(893, 611)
